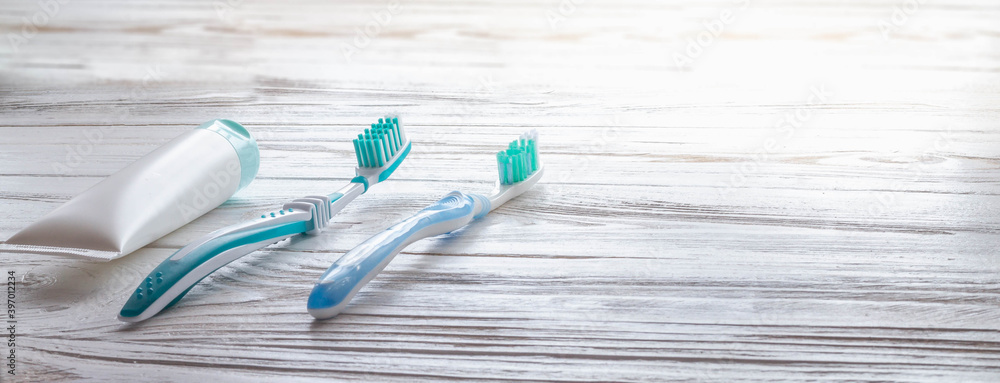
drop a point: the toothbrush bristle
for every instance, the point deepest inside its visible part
(520, 160)
(377, 146)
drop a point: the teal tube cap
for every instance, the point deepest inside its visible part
(243, 142)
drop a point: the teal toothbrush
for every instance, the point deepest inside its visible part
(379, 151)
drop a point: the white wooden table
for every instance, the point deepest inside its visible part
(811, 193)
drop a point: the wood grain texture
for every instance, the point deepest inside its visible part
(715, 221)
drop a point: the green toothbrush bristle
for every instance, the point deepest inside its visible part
(520, 160)
(378, 145)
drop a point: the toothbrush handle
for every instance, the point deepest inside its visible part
(352, 271)
(170, 280)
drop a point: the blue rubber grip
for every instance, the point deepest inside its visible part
(352, 271)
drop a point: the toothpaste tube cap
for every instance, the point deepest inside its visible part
(243, 142)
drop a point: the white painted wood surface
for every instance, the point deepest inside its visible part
(682, 232)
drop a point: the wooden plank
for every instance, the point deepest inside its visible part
(719, 221)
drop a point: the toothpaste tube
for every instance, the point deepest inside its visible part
(160, 192)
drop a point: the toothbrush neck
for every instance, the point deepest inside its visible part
(482, 205)
(351, 191)
(344, 196)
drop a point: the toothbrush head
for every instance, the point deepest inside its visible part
(519, 168)
(520, 160)
(380, 150)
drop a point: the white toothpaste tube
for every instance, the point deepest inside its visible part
(155, 195)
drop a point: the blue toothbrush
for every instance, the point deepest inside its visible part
(379, 151)
(519, 169)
